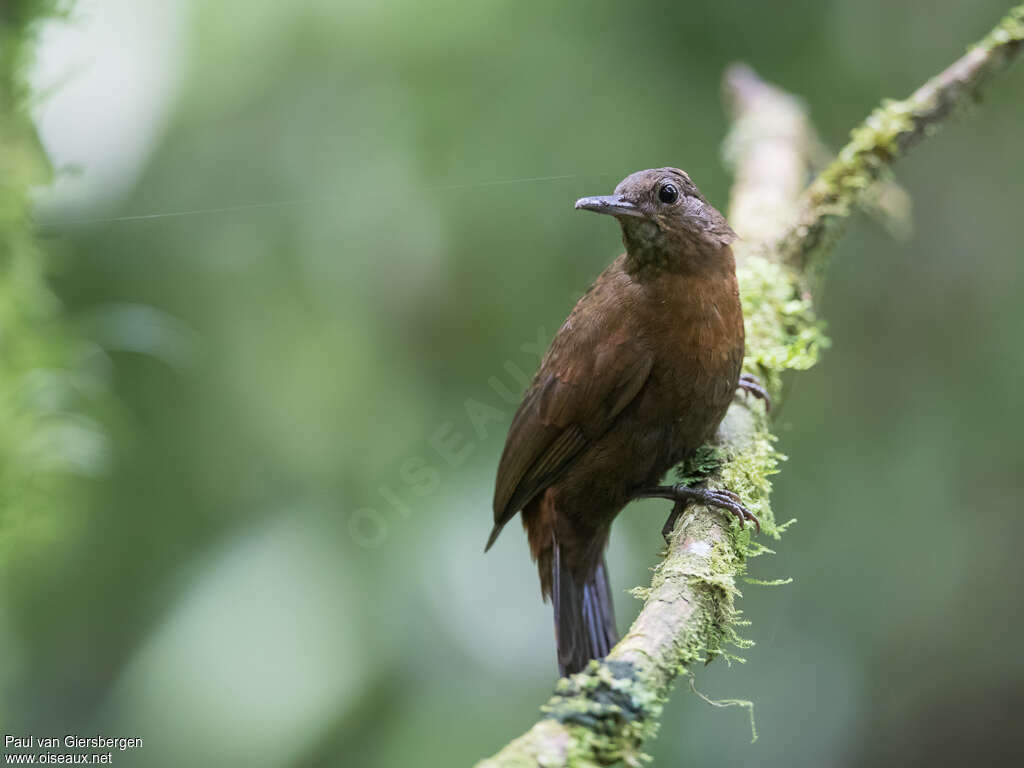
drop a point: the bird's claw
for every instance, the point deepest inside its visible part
(752, 385)
(683, 494)
(722, 499)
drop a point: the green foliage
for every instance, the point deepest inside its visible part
(44, 440)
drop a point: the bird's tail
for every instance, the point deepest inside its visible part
(584, 616)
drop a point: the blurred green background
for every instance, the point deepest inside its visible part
(256, 555)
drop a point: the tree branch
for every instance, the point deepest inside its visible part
(887, 133)
(604, 714)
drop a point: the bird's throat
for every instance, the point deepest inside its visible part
(651, 250)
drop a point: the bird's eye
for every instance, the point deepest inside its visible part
(668, 193)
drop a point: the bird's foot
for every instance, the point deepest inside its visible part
(683, 495)
(751, 384)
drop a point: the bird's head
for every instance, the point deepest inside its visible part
(665, 219)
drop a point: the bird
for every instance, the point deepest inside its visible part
(637, 378)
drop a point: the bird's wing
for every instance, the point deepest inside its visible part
(592, 371)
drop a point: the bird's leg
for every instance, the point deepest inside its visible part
(750, 383)
(683, 494)
(677, 510)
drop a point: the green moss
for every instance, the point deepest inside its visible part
(783, 333)
(640, 593)
(748, 474)
(717, 592)
(698, 467)
(771, 583)
(845, 182)
(610, 711)
(1009, 30)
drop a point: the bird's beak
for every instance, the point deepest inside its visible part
(613, 205)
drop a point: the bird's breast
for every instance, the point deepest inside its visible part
(699, 355)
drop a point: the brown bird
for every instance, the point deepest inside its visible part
(638, 378)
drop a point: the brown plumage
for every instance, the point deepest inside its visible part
(638, 377)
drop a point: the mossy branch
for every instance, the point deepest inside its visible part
(603, 715)
(887, 133)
